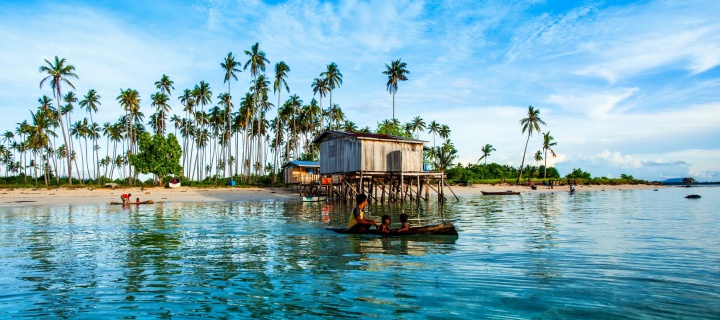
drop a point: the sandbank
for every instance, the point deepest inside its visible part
(99, 195)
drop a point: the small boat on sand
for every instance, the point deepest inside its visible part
(174, 183)
(446, 229)
(499, 193)
(144, 202)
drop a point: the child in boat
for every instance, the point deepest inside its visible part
(125, 197)
(385, 226)
(137, 200)
(405, 226)
(357, 221)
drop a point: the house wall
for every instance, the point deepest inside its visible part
(352, 155)
(299, 175)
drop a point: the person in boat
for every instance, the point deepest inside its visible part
(125, 197)
(384, 228)
(137, 200)
(357, 221)
(404, 224)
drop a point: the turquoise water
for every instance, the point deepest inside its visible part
(611, 254)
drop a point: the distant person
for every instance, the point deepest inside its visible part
(572, 188)
(137, 200)
(357, 221)
(125, 197)
(384, 228)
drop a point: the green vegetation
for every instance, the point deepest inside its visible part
(158, 155)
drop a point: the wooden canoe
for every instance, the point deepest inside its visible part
(499, 193)
(446, 229)
(144, 202)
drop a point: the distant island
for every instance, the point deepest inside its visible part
(682, 182)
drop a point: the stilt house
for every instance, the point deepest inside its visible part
(301, 172)
(351, 152)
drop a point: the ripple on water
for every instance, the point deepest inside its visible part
(613, 254)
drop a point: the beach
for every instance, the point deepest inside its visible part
(95, 195)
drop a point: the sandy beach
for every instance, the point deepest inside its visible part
(90, 195)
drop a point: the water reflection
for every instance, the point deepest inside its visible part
(535, 255)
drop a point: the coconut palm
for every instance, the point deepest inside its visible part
(530, 124)
(281, 73)
(256, 62)
(160, 103)
(434, 128)
(230, 66)
(418, 124)
(538, 157)
(164, 85)
(319, 87)
(333, 79)
(395, 72)
(444, 132)
(58, 73)
(548, 143)
(486, 150)
(90, 103)
(129, 99)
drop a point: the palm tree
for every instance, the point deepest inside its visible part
(395, 72)
(434, 128)
(203, 96)
(91, 103)
(164, 85)
(230, 66)
(530, 124)
(538, 157)
(548, 143)
(295, 104)
(281, 73)
(486, 150)
(59, 73)
(333, 78)
(130, 101)
(256, 62)
(320, 88)
(418, 124)
(444, 132)
(160, 102)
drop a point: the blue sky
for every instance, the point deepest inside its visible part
(624, 87)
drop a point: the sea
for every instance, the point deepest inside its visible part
(612, 254)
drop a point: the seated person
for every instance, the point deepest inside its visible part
(404, 226)
(385, 226)
(357, 221)
(137, 200)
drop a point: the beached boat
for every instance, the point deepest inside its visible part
(314, 199)
(174, 183)
(447, 229)
(144, 202)
(499, 193)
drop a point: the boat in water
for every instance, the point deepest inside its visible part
(143, 202)
(500, 193)
(446, 229)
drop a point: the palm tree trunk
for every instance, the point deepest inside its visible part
(522, 164)
(62, 127)
(545, 174)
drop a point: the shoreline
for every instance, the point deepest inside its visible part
(83, 196)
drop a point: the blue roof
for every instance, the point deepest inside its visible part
(298, 163)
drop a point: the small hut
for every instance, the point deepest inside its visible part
(379, 165)
(352, 152)
(301, 172)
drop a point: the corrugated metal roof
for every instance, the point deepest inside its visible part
(299, 163)
(364, 136)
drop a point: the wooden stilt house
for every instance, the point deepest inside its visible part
(301, 172)
(376, 164)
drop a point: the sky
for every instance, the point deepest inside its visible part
(625, 87)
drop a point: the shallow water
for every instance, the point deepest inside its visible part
(609, 254)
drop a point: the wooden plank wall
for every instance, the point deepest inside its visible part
(343, 155)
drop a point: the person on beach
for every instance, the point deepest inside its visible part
(125, 197)
(357, 221)
(384, 228)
